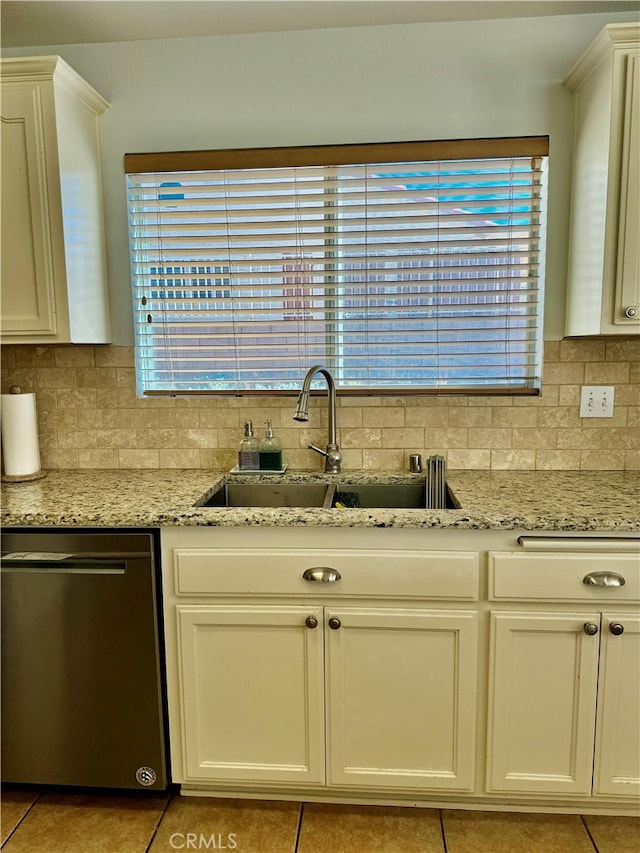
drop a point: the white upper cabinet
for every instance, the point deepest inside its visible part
(54, 281)
(604, 241)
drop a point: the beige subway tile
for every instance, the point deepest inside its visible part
(177, 418)
(7, 356)
(222, 459)
(445, 438)
(52, 458)
(534, 438)
(359, 400)
(489, 438)
(286, 437)
(116, 398)
(125, 377)
(117, 438)
(627, 395)
(606, 373)
(352, 418)
(492, 400)
(201, 438)
(472, 416)
(392, 402)
(633, 417)
(582, 350)
(551, 350)
(114, 356)
(382, 417)
(357, 438)
(401, 438)
(304, 460)
(24, 377)
(156, 438)
(466, 459)
(619, 419)
(76, 398)
(138, 458)
(560, 416)
(580, 439)
(383, 460)
(98, 458)
(427, 416)
(627, 438)
(78, 438)
(558, 460)
(563, 373)
(26, 355)
(352, 460)
(137, 418)
(602, 460)
(150, 402)
(632, 460)
(548, 396)
(231, 438)
(46, 399)
(56, 377)
(74, 356)
(183, 458)
(514, 417)
(96, 377)
(57, 418)
(569, 395)
(98, 418)
(624, 349)
(215, 419)
(519, 460)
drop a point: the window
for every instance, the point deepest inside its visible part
(404, 268)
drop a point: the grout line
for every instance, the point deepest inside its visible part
(588, 831)
(299, 830)
(444, 837)
(24, 816)
(158, 822)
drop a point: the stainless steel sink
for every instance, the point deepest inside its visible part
(387, 496)
(324, 496)
(269, 495)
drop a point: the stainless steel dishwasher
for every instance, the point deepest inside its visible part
(82, 687)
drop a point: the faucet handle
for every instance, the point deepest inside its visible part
(332, 455)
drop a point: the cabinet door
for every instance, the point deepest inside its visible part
(251, 686)
(28, 302)
(617, 761)
(401, 698)
(542, 702)
(627, 302)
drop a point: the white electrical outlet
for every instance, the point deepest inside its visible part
(596, 401)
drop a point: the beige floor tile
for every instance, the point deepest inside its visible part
(87, 823)
(369, 829)
(502, 832)
(13, 807)
(246, 826)
(614, 834)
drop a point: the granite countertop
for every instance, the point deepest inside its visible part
(529, 500)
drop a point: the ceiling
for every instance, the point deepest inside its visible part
(24, 23)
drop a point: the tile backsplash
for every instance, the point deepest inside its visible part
(89, 417)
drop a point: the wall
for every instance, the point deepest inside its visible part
(363, 84)
(89, 417)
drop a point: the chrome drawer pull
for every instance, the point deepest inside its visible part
(603, 579)
(321, 574)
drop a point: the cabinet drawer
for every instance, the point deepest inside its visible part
(392, 574)
(559, 576)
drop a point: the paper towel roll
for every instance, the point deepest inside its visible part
(20, 450)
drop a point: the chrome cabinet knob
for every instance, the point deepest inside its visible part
(631, 312)
(311, 622)
(616, 629)
(590, 628)
(334, 623)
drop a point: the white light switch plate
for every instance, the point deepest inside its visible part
(596, 401)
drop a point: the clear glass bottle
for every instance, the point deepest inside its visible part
(248, 451)
(270, 451)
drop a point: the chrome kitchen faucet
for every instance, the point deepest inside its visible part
(332, 456)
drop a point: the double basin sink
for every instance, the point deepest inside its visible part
(326, 495)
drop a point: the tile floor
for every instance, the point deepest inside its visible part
(54, 822)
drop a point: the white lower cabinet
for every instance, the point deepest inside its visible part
(399, 688)
(564, 685)
(491, 668)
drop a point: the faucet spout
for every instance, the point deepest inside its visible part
(332, 454)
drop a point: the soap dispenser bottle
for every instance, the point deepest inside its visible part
(270, 451)
(248, 452)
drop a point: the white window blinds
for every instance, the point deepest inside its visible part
(407, 274)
